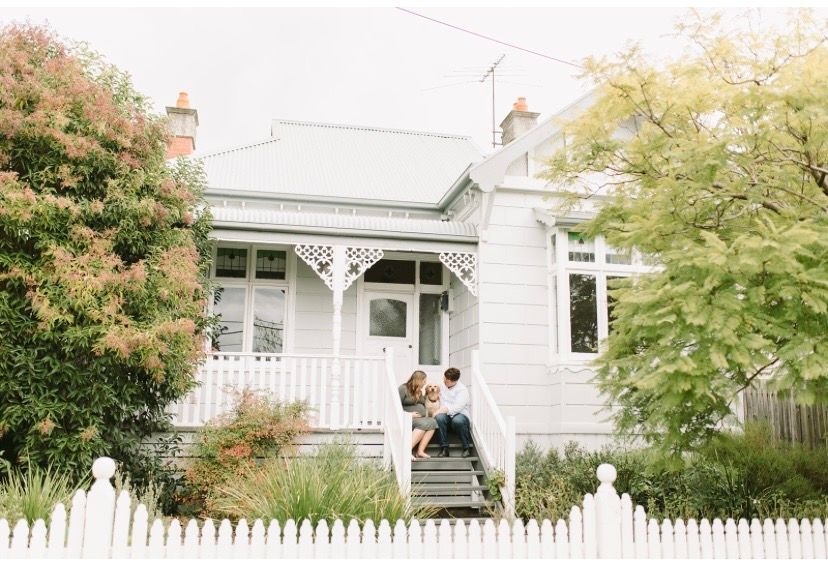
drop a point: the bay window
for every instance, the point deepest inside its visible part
(582, 272)
(251, 302)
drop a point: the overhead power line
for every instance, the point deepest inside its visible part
(513, 46)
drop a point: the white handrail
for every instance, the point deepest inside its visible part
(397, 428)
(494, 434)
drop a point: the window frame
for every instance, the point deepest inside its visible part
(559, 268)
(250, 283)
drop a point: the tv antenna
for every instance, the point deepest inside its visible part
(497, 71)
(491, 72)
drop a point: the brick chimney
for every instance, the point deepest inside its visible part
(519, 121)
(183, 122)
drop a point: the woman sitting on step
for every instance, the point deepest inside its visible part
(413, 401)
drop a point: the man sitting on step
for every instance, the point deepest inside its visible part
(454, 412)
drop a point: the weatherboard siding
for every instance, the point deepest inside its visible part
(314, 314)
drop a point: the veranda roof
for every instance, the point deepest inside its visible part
(343, 224)
(344, 162)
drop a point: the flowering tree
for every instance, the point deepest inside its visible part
(102, 261)
(717, 166)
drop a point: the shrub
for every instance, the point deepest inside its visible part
(230, 446)
(34, 494)
(331, 484)
(742, 475)
(103, 260)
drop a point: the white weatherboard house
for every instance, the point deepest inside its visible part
(350, 256)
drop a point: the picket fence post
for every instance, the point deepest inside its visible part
(608, 513)
(100, 511)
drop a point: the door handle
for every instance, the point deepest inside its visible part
(411, 346)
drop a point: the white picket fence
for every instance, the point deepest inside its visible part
(99, 526)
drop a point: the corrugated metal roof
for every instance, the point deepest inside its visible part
(344, 222)
(344, 161)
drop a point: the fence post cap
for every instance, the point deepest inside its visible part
(606, 473)
(103, 468)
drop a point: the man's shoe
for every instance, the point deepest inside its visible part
(443, 452)
(466, 452)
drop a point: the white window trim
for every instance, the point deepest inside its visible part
(559, 268)
(250, 283)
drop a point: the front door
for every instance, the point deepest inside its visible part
(390, 324)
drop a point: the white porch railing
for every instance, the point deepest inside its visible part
(288, 377)
(398, 427)
(494, 434)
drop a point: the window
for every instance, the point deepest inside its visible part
(585, 271)
(431, 273)
(583, 313)
(229, 305)
(252, 304)
(231, 263)
(392, 271)
(388, 317)
(271, 264)
(431, 334)
(581, 249)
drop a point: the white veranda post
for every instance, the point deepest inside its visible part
(337, 266)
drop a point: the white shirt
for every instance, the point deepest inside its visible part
(456, 399)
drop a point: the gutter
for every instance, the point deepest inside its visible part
(271, 197)
(305, 229)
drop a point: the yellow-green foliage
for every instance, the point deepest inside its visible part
(716, 165)
(330, 484)
(34, 493)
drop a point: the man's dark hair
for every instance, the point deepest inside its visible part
(452, 374)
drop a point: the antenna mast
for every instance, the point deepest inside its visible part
(491, 71)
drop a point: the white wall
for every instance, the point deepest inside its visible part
(314, 313)
(514, 324)
(463, 326)
(552, 403)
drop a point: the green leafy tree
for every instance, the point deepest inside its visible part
(715, 165)
(103, 260)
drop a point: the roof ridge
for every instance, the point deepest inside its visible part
(235, 148)
(371, 128)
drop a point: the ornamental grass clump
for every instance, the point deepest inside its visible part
(232, 445)
(34, 493)
(332, 484)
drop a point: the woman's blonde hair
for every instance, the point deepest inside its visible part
(415, 383)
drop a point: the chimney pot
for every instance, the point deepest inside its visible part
(183, 100)
(519, 105)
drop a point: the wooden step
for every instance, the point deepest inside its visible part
(451, 502)
(427, 488)
(440, 464)
(418, 476)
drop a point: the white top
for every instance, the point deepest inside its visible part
(456, 399)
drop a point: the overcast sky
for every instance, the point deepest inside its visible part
(368, 66)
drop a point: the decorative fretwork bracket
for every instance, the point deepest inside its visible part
(357, 261)
(321, 259)
(464, 266)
